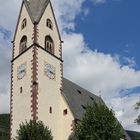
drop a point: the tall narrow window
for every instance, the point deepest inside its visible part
(49, 44)
(24, 23)
(50, 110)
(49, 24)
(21, 90)
(23, 44)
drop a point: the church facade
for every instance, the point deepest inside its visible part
(38, 89)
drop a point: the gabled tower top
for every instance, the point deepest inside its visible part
(36, 8)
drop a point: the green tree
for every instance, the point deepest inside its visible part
(98, 123)
(33, 130)
(137, 107)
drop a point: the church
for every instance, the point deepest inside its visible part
(38, 89)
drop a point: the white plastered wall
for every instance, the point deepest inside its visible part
(21, 103)
(28, 31)
(44, 30)
(50, 96)
(67, 120)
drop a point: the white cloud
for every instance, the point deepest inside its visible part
(66, 12)
(102, 72)
(93, 70)
(125, 111)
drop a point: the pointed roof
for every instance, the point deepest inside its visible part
(36, 8)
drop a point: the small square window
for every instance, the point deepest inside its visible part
(65, 112)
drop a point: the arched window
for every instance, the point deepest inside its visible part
(23, 44)
(49, 24)
(49, 44)
(24, 23)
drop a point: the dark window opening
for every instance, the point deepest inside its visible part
(49, 44)
(92, 98)
(24, 23)
(79, 91)
(21, 89)
(50, 110)
(23, 44)
(35, 85)
(49, 24)
(84, 107)
(65, 112)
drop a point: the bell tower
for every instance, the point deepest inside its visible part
(36, 68)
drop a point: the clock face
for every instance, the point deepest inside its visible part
(21, 71)
(50, 71)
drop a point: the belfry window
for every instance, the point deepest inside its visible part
(23, 44)
(24, 23)
(49, 44)
(49, 24)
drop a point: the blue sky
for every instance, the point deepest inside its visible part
(6, 33)
(113, 27)
(100, 50)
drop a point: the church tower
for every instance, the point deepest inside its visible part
(36, 76)
(38, 89)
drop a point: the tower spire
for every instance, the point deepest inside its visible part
(36, 8)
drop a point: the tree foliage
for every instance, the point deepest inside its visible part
(34, 130)
(137, 107)
(98, 123)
